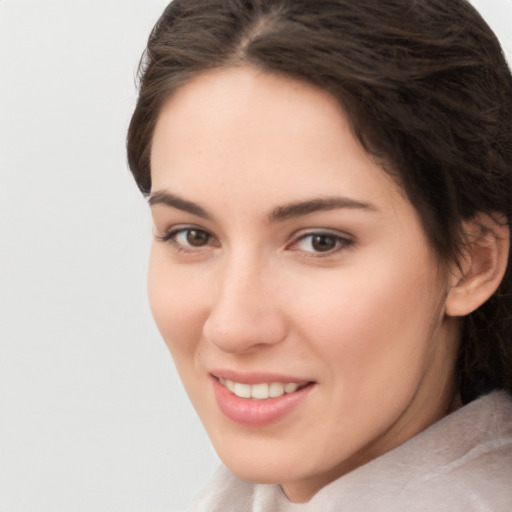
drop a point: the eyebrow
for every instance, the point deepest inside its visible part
(300, 208)
(279, 214)
(168, 199)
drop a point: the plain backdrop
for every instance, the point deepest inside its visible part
(92, 415)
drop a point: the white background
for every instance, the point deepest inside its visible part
(92, 416)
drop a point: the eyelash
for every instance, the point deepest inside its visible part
(170, 238)
(340, 242)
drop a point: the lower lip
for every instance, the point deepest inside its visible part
(257, 413)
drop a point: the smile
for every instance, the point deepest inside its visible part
(261, 403)
(261, 391)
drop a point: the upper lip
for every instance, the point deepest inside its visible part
(256, 377)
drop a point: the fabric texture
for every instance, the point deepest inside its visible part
(463, 463)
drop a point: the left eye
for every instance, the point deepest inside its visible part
(192, 237)
(320, 243)
(188, 238)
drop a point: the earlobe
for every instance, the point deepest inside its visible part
(482, 266)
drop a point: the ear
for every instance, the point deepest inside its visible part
(482, 266)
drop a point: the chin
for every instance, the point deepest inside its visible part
(269, 473)
(275, 463)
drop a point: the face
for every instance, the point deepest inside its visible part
(293, 282)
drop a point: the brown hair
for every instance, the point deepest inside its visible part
(427, 91)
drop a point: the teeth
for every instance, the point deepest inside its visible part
(291, 387)
(259, 391)
(242, 390)
(276, 389)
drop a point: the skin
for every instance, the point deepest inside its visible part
(364, 320)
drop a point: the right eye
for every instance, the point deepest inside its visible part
(188, 238)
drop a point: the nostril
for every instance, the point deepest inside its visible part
(240, 333)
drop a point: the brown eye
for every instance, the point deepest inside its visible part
(324, 242)
(189, 238)
(321, 243)
(197, 237)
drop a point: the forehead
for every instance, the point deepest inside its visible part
(223, 101)
(286, 138)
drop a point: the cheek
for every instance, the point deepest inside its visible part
(371, 324)
(176, 303)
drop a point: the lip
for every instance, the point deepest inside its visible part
(256, 377)
(258, 413)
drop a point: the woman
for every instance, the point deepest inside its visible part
(331, 189)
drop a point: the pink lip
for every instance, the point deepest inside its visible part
(257, 413)
(256, 377)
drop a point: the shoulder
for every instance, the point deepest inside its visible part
(227, 493)
(222, 489)
(463, 463)
(476, 473)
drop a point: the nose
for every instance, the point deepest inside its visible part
(246, 313)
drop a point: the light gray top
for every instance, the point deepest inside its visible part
(463, 463)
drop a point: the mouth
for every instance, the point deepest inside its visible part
(264, 401)
(262, 390)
